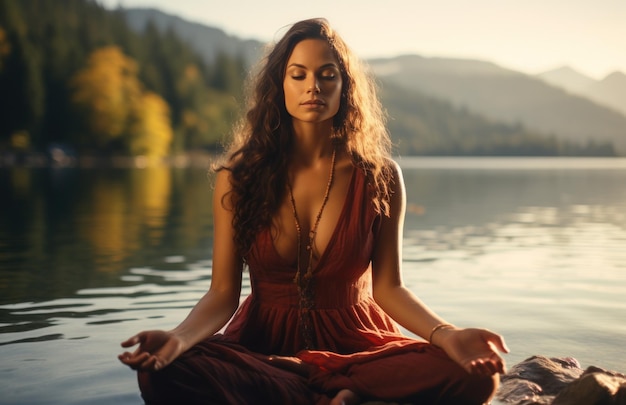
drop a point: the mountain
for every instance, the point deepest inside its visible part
(207, 41)
(423, 125)
(609, 92)
(568, 79)
(499, 107)
(508, 96)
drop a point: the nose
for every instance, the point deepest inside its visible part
(314, 87)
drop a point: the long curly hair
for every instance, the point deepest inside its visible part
(259, 154)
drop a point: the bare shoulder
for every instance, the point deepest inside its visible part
(223, 187)
(393, 166)
(222, 181)
(395, 175)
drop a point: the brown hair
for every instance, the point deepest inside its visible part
(259, 154)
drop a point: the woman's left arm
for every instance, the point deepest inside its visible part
(475, 349)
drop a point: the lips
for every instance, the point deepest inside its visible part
(313, 102)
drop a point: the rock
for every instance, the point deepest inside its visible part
(594, 387)
(540, 380)
(537, 380)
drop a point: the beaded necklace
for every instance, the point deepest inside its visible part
(304, 281)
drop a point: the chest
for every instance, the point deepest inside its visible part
(311, 206)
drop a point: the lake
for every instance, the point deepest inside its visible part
(534, 248)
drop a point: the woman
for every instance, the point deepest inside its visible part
(311, 202)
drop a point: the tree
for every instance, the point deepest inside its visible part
(21, 88)
(207, 114)
(73, 72)
(227, 73)
(104, 94)
(115, 110)
(150, 132)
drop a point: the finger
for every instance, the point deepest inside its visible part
(501, 366)
(498, 362)
(495, 364)
(133, 361)
(127, 359)
(140, 349)
(123, 357)
(498, 341)
(470, 367)
(490, 367)
(478, 367)
(149, 364)
(131, 341)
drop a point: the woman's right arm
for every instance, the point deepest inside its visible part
(220, 302)
(159, 348)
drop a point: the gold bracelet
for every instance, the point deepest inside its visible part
(436, 328)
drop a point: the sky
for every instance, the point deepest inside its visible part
(531, 36)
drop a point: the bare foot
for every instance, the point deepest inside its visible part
(345, 397)
(293, 364)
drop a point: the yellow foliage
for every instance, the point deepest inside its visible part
(106, 90)
(20, 140)
(115, 105)
(150, 133)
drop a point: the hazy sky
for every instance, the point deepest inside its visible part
(527, 35)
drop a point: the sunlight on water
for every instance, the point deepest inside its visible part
(536, 252)
(552, 281)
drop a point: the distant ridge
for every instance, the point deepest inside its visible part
(609, 92)
(508, 96)
(506, 104)
(567, 78)
(435, 65)
(208, 41)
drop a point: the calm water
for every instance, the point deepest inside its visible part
(532, 248)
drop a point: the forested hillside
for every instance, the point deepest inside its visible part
(141, 82)
(419, 124)
(74, 73)
(507, 96)
(422, 125)
(209, 42)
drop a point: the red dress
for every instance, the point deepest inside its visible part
(356, 345)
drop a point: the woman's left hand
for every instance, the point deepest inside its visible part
(476, 350)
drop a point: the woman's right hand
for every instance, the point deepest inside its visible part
(156, 350)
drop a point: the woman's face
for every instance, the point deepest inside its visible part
(312, 83)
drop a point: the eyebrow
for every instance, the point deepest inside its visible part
(298, 65)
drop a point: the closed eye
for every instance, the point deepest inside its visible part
(329, 73)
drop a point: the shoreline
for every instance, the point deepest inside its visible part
(203, 159)
(58, 160)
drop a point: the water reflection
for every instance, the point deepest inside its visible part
(65, 229)
(471, 196)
